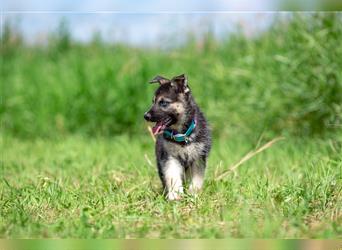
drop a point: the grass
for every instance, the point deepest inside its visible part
(286, 80)
(98, 187)
(77, 160)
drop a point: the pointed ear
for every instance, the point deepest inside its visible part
(181, 82)
(160, 79)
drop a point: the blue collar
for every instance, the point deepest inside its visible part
(177, 137)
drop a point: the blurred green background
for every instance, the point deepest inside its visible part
(286, 80)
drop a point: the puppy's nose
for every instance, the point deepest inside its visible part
(147, 116)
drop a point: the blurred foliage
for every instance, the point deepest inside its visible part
(309, 5)
(287, 80)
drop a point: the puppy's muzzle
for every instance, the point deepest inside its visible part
(147, 116)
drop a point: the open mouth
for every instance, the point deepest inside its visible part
(161, 125)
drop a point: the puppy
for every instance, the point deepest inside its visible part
(183, 137)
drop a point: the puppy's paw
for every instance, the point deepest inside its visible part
(194, 190)
(174, 196)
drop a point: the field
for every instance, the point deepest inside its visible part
(80, 187)
(78, 162)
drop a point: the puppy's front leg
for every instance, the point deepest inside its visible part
(196, 175)
(173, 173)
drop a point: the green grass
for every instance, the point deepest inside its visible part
(82, 187)
(77, 161)
(286, 80)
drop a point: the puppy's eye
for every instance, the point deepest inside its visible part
(163, 104)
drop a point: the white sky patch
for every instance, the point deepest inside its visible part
(140, 29)
(137, 5)
(148, 27)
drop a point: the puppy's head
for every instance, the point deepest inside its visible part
(169, 102)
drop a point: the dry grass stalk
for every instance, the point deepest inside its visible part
(248, 156)
(151, 133)
(149, 162)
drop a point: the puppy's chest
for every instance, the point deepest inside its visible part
(187, 153)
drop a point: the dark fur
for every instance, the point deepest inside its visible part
(181, 111)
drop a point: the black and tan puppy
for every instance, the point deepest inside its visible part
(183, 137)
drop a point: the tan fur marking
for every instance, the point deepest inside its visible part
(179, 108)
(162, 97)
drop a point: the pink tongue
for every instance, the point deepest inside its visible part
(157, 128)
